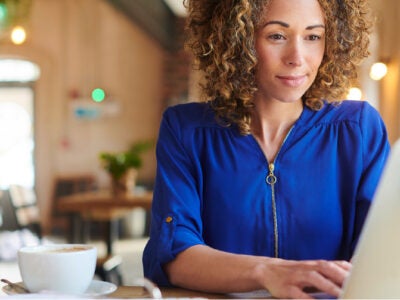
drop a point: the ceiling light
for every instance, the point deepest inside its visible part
(177, 7)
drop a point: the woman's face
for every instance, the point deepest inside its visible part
(290, 45)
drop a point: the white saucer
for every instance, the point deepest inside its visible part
(96, 288)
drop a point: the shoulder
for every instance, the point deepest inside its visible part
(347, 111)
(190, 115)
(355, 115)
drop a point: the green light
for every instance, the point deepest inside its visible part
(98, 95)
(3, 12)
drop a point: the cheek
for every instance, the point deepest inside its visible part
(267, 59)
(315, 60)
(264, 69)
(320, 55)
(264, 53)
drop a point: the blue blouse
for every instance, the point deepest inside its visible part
(212, 185)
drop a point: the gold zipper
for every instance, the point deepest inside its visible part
(271, 180)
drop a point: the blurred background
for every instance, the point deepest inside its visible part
(51, 123)
(81, 77)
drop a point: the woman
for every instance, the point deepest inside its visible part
(267, 184)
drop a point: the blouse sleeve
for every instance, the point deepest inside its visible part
(176, 212)
(375, 149)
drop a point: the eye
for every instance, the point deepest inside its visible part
(276, 37)
(313, 37)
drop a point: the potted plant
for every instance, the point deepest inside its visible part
(123, 166)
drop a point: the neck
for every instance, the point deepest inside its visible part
(271, 118)
(271, 122)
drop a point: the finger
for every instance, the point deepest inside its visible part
(293, 292)
(300, 294)
(322, 283)
(344, 264)
(334, 271)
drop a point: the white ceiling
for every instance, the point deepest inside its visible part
(176, 7)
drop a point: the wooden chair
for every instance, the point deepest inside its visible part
(64, 186)
(8, 220)
(107, 268)
(26, 211)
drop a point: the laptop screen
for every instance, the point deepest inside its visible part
(376, 262)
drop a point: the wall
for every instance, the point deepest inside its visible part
(387, 14)
(81, 44)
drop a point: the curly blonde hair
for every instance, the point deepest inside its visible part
(221, 36)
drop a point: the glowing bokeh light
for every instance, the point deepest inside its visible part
(18, 35)
(98, 95)
(3, 12)
(378, 71)
(354, 94)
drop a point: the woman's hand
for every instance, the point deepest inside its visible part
(288, 279)
(205, 269)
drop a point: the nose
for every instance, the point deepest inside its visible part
(294, 55)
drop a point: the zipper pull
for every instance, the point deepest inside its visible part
(271, 178)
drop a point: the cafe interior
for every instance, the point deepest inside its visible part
(83, 81)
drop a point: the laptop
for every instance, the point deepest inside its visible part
(376, 262)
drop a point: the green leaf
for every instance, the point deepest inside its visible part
(118, 163)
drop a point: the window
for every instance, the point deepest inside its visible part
(17, 122)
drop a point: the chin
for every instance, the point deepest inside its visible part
(290, 100)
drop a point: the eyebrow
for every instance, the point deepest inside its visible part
(283, 24)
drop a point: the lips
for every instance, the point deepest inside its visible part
(293, 81)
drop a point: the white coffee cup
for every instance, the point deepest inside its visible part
(60, 268)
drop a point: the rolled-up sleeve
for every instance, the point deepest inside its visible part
(176, 211)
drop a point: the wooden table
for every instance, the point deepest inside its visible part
(139, 292)
(135, 292)
(101, 206)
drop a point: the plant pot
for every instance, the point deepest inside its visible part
(130, 180)
(126, 184)
(117, 187)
